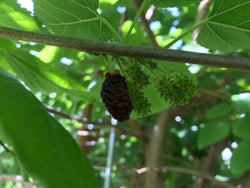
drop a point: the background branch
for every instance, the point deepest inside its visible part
(185, 171)
(86, 122)
(154, 147)
(98, 47)
(145, 23)
(202, 13)
(16, 179)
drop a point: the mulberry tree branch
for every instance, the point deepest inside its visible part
(98, 47)
(184, 171)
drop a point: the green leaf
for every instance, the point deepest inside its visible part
(42, 77)
(4, 65)
(43, 148)
(171, 3)
(218, 110)
(104, 3)
(241, 126)
(74, 18)
(213, 132)
(227, 28)
(135, 38)
(13, 16)
(241, 102)
(240, 159)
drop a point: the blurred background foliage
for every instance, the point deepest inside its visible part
(69, 81)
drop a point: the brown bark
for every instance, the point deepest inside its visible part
(203, 10)
(84, 137)
(139, 131)
(154, 148)
(208, 166)
(145, 24)
(98, 47)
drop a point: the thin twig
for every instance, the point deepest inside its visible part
(6, 148)
(98, 47)
(85, 121)
(138, 14)
(184, 171)
(145, 24)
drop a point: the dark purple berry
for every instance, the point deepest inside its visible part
(115, 96)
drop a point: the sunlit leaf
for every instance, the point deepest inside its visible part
(4, 45)
(228, 26)
(13, 16)
(42, 77)
(241, 102)
(74, 18)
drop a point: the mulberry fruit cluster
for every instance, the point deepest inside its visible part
(177, 88)
(140, 102)
(140, 78)
(116, 97)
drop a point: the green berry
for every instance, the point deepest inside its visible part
(137, 76)
(140, 102)
(177, 88)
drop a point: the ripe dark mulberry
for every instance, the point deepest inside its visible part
(115, 96)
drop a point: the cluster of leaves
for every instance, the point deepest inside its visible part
(138, 77)
(176, 88)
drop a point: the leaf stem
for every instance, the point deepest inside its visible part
(156, 76)
(138, 14)
(6, 148)
(120, 65)
(118, 38)
(185, 33)
(108, 63)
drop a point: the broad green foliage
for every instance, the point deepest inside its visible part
(74, 18)
(13, 16)
(44, 149)
(5, 44)
(227, 27)
(241, 104)
(43, 77)
(218, 110)
(241, 156)
(241, 126)
(49, 154)
(212, 132)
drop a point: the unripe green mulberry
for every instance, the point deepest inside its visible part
(137, 76)
(140, 102)
(177, 88)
